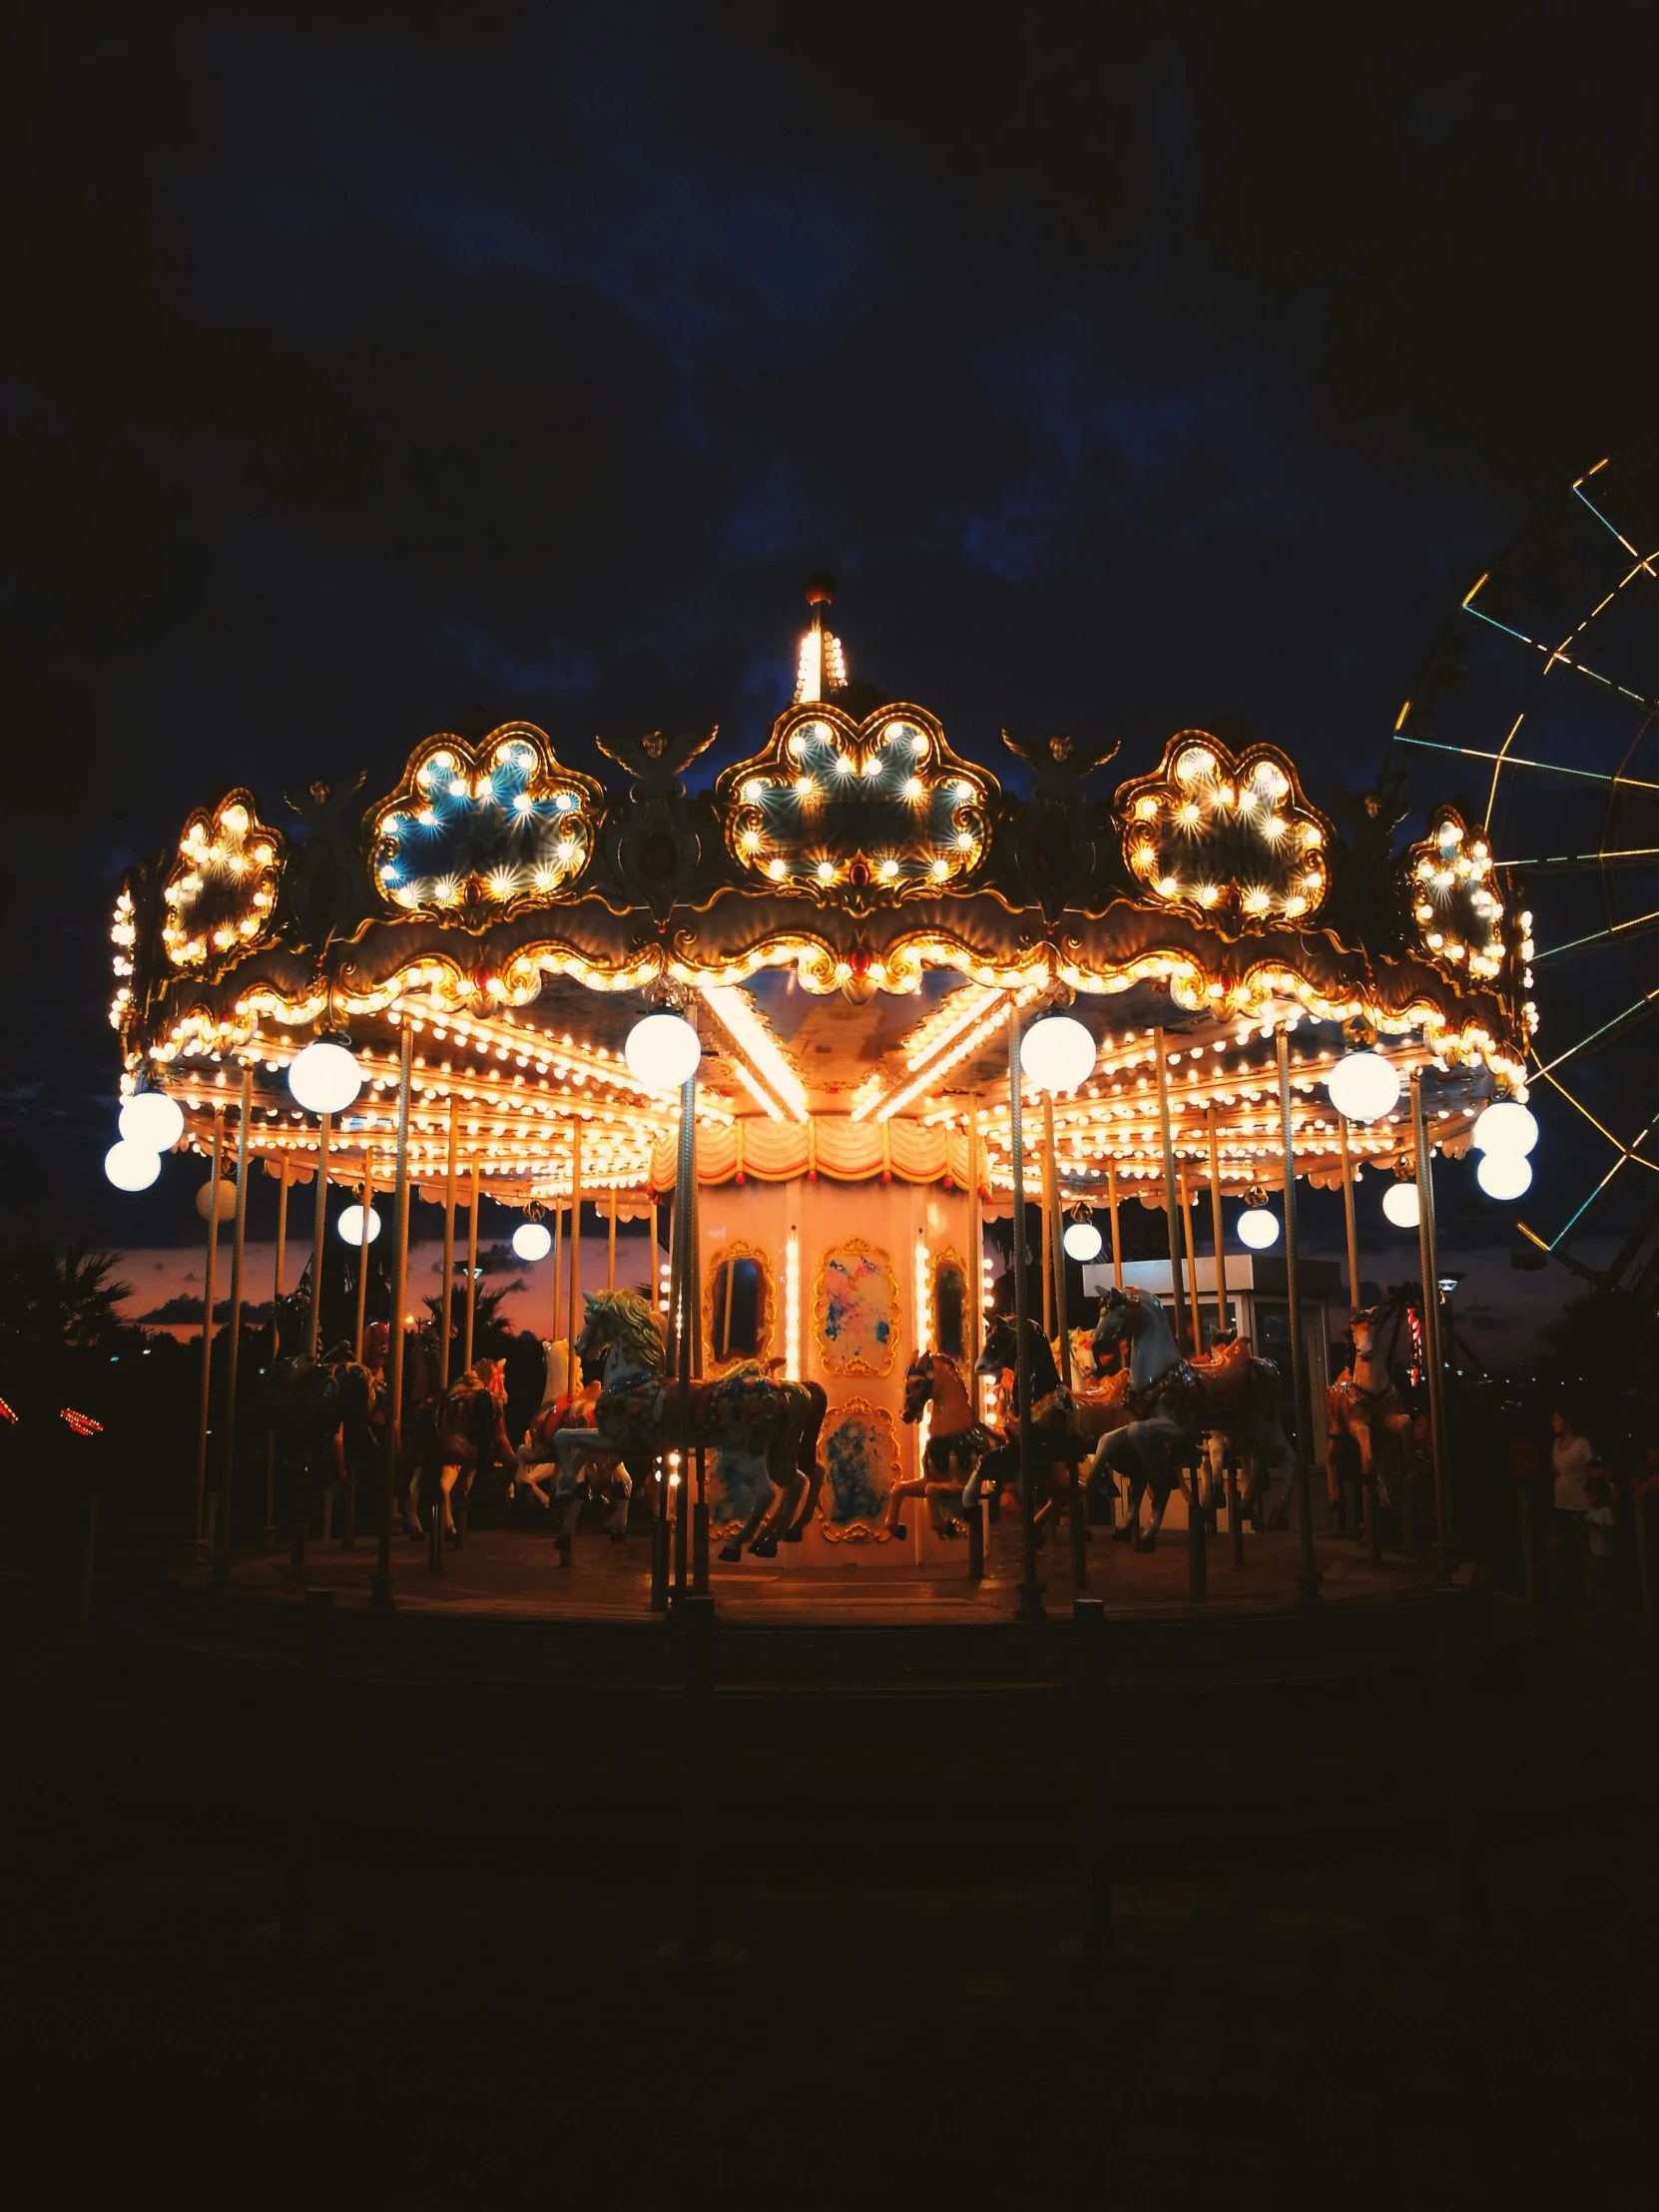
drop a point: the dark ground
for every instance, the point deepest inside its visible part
(1298, 2024)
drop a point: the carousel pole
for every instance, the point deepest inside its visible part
(226, 1474)
(198, 1538)
(1217, 1224)
(1030, 1608)
(267, 1534)
(1348, 1221)
(363, 1256)
(447, 1338)
(609, 1250)
(319, 1233)
(558, 1259)
(680, 1322)
(1192, 1253)
(1117, 1226)
(694, 1310)
(1235, 1519)
(575, 1298)
(973, 1333)
(1045, 1200)
(381, 1584)
(1433, 1342)
(1310, 1587)
(1057, 1259)
(1171, 1196)
(471, 1264)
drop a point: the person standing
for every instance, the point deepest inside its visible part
(1570, 1455)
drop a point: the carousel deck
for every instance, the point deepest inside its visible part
(509, 1574)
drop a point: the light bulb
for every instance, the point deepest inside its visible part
(1056, 1053)
(662, 1052)
(325, 1077)
(532, 1240)
(1364, 1086)
(351, 1225)
(1504, 1174)
(1082, 1240)
(227, 1200)
(152, 1120)
(1506, 1127)
(1400, 1204)
(1258, 1228)
(132, 1167)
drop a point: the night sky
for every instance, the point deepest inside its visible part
(371, 370)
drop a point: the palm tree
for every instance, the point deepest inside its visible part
(486, 1314)
(47, 1303)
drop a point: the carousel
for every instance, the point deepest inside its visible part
(840, 1033)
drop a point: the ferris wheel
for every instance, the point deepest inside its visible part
(1539, 710)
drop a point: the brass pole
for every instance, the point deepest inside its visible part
(574, 1299)
(610, 1253)
(395, 1346)
(1054, 1222)
(269, 1532)
(1192, 1252)
(449, 1337)
(1117, 1230)
(1218, 1224)
(227, 1474)
(1030, 1590)
(654, 1293)
(318, 1236)
(1044, 1179)
(723, 1350)
(197, 1538)
(1300, 1396)
(472, 1264)
(362, 1254)
(1348, 1221)
(976, 1251)
(1171, 1201)
(558, 1258)
(1434, 1349)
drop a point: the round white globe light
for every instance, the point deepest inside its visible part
(132, 1167)
(351, 1224)
(1056, 1053)
(325, 1077)
(662, 1052)
(1082, 1240)
(1507, 1127)
(151, 1118)
(532, 1240)
(1364, 1086)
(1504, 1174)
(1258, 1228)
(226, 1201)
(1400, 1204)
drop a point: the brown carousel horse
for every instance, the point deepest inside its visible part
(1364, 1408)
(958, 1441)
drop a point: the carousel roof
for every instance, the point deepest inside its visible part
(850, 916)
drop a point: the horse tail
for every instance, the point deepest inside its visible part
(818, 1405)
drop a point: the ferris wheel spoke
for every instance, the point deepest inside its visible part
(1544, 768)
(1558, 656)
(1595, 1036)
(1564, 863)
(1626, 1152)
(1615, 930)
(1580, 494)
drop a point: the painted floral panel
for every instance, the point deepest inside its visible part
(861, 1465)
(856, 1320)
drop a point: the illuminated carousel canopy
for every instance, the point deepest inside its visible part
(851, 917)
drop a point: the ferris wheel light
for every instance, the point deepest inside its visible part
(351, 1224)
(132, 1167)
(1400, 1205)
(1258, 1228)
(1506, 1127)
(662, 1052)
(1082, 1241)
(1364, 1086)
(1057, 1053)
(532, 1241)
(1504, 1175)
(151, 1120)
(325, 1077)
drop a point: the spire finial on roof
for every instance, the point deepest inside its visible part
(823, 665)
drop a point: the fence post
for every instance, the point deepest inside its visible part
(659, 1540)
(317, 1621)
(1462, 1797)
(695, 1953)
(1643, 1575)
(90, 1561)
(1235, 1513)
(1529, 1571)
(1198, 1577)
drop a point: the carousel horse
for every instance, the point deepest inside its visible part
(319, 1411)
(957, 1442)
(606, 1480)
(1364, 1408)
(1172, 1401)
(468, 1433)
(1055, 1440)
(761, 1420)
